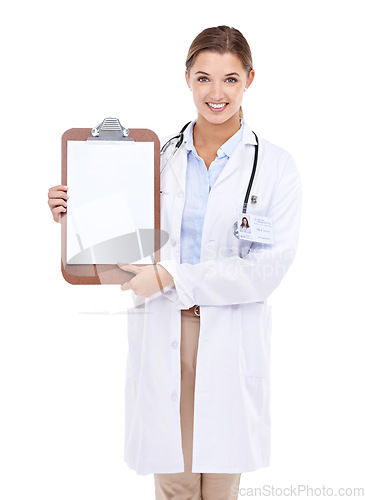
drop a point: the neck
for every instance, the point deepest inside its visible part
(206, 133)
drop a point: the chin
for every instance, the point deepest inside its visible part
(216, 120)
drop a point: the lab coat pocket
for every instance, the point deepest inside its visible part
(255, 341)
(135, 326)
(239, 247)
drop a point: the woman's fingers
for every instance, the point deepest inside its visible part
(130, 268)
(54, 202)
(126, 286)
(57, 211)
(60, 186)
(57, 201)
(58, 192)
(57, 195)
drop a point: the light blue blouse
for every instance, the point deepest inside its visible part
(199, 182)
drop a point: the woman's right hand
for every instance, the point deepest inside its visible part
(57, 197)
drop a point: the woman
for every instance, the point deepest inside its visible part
(245, 226)
(197, 382)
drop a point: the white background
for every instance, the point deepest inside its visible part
(63, 347)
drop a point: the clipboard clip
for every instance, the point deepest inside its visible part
(110, 129)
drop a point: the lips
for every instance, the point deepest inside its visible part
(216, 107)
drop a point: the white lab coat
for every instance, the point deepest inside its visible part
(230, 284)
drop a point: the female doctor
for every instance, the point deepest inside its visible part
(198, 370)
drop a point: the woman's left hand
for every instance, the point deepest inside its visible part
(148, 280)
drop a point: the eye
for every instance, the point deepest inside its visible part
(202, 78)
(231, 79)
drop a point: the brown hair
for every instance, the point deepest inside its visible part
(221, 39)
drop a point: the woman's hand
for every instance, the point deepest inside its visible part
(57, 197)
(148, 280)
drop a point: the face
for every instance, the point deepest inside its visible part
(218, 82)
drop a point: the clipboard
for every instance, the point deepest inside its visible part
(82, 149)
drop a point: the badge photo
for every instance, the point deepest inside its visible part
(253, 227)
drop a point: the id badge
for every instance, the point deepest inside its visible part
(255, 228)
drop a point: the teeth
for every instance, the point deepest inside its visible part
(216, 105)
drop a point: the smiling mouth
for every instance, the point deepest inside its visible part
(217, 106)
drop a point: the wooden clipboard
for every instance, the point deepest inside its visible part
(97, 274)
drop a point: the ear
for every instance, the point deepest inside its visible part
(187, 78)
(250, 78)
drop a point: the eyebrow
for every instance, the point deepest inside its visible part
(228, 74)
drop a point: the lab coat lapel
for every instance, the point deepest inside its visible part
(175, 180)
(178, 167)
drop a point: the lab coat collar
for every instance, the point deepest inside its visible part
(248, 136)
(179, 165)
(225, 150)
(188, 136)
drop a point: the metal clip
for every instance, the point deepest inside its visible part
(110, 129)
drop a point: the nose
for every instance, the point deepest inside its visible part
(216, 92)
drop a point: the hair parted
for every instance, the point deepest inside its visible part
(221, 39)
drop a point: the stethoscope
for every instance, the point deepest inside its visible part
(180, 139)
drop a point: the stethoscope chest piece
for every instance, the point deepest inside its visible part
(235, 230)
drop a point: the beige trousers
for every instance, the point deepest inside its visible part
(187, 485)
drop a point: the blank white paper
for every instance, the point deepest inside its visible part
(111, 197)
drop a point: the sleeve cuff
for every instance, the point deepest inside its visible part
(180, 292)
